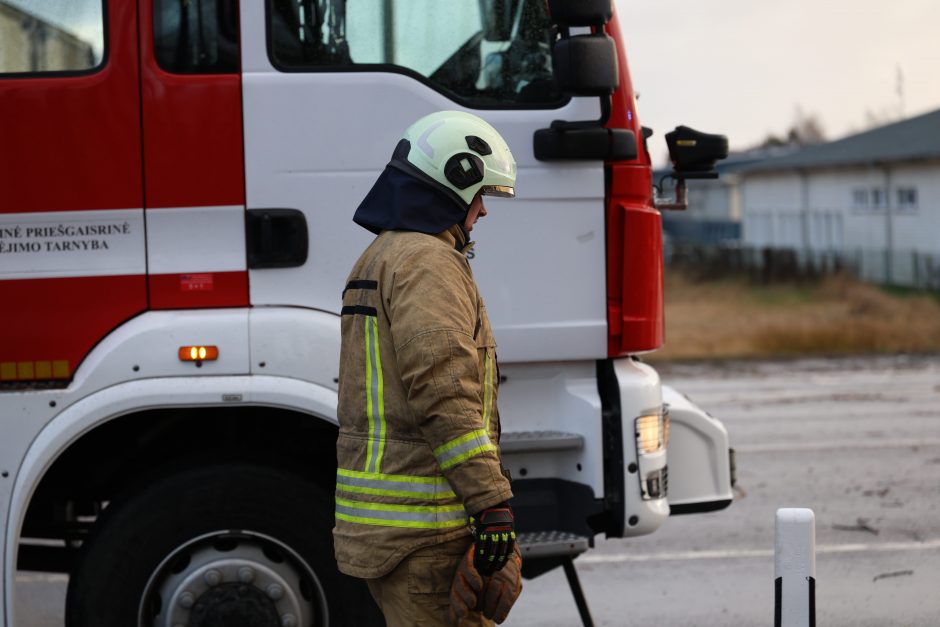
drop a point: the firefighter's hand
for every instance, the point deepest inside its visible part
(502, 589)
(466, 592)
(494, 533)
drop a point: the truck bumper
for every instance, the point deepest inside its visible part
(700, 460)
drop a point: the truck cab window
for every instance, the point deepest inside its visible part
(196, 36)
(481, 53)
(51, 36)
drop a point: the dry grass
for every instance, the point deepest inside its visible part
(732, 318)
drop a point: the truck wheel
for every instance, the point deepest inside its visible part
(224, 545)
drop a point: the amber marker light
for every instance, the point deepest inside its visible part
(199, 353)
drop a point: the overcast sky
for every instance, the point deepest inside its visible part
(742, 67)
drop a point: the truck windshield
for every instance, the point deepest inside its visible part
(482, 53)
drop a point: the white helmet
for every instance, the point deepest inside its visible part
(460, 153)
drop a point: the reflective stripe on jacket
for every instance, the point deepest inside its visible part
(419, 427)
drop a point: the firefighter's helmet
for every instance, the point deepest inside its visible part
(460, 153)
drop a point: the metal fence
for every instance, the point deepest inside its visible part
(911, 269)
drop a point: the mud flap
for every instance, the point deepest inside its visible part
(699, 458)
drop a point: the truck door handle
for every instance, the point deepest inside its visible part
(276, 238)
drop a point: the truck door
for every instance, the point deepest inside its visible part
(72, 260)
(193, 161)
(328, 88)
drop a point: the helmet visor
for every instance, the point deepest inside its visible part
(503, 191)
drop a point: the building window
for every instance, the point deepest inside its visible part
(878, 198)
(482, 53)
(860, 198)
(51, 36)
(907, 198)
(196, 36)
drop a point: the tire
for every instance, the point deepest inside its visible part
(228, 544)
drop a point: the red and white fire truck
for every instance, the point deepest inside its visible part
(177, 181)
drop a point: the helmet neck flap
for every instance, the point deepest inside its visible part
(403, 199)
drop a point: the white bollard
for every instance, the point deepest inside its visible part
(795, 568)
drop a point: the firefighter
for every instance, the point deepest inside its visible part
(421, 495)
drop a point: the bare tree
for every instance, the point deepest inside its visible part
(805, 129)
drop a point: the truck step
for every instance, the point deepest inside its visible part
(540, 441)
(534, 544)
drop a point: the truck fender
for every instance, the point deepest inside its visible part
(699, 457)
(135, 396)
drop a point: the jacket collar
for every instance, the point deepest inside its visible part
(457, 238)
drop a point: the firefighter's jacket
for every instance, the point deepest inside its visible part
(417, 449)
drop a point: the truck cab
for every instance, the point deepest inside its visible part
(175, 233)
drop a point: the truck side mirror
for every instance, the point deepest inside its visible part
(580, 12)
(694, 154)
(586, 65)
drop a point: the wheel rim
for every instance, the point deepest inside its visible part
(229, 576)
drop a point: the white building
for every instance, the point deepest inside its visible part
(871, 199)
(30, 44)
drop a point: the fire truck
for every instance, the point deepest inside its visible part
(176, 196)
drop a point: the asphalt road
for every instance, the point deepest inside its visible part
(856, 440)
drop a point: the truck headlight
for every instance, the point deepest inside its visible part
(652, 432)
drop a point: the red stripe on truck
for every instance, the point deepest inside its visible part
(61, 319)
(199, 290)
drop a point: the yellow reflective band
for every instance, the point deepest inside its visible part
(386, 507)
(381, 386)
(443, 448)
(415, 516)
(412, 524)
(407, 494)
(467, 455)
(375, 397)
(369, 393)
(402, 486)
(438, 480)
(487, 391)
(463, 448)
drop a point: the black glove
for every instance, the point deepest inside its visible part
(494, 534)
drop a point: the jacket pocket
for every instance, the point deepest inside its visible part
(431, 569)
(431, 574)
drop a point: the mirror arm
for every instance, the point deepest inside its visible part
(566, 125)
(681, 201)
